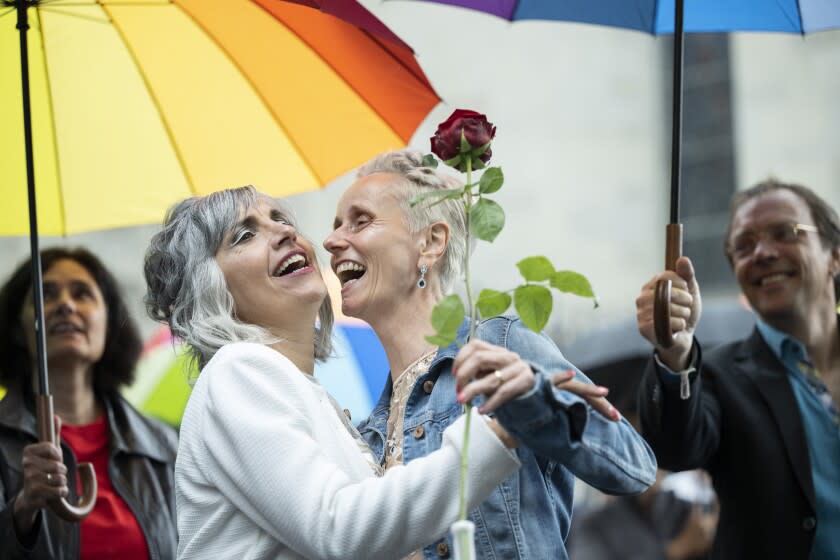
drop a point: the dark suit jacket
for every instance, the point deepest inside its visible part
(742, 424)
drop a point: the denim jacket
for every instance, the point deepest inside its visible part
(528, 515)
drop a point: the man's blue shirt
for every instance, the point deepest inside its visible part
(823, 436)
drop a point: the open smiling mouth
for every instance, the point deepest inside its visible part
(291, 264)
(349, 272)
(64, 328)
(774, 279)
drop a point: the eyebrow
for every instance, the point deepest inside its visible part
(352, 211)
(277, 213)
(246, 222)
(73, 283)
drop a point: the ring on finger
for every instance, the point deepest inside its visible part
(498, 375)
(49, 477)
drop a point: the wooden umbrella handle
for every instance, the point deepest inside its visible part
(662, 300)
(88, 489)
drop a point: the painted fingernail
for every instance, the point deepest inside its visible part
(615, 414)
(603, 390)
(461, 398)
(481, 410)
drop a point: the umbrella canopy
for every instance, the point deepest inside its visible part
(671, 16)
(657, 16)
(139, 103)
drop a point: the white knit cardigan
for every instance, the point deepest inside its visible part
(267, 469)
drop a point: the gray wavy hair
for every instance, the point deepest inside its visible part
(419, 179)
(186, 288)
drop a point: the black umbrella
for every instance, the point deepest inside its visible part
(44, 401)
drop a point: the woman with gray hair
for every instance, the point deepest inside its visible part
(268, 466)
(395, 263)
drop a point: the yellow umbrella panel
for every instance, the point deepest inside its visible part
(137, 104)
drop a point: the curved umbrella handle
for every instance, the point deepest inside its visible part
(88, 489)
(662, 300)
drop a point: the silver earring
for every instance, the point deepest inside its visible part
(421, 283)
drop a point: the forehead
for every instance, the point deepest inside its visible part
(375, 191)
(68, 270)
(771, 208)
(262, 205)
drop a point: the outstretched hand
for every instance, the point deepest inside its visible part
(685, 313)
(481, 368)
(594, 395)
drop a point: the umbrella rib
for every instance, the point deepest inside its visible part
(381, 42)
(401, 64)
(58, 10)
(61, 202)
(789, 18)
(801, 22)
(640, 12)
(655, 18)
(258, 93)
(155, 101)
(335, 70)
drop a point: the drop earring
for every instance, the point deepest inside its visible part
(421, 283)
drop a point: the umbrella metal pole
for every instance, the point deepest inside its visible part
(37, 275)
(44, 401)
(676, 114)
(673, 231)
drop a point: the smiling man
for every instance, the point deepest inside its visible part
(762, 413)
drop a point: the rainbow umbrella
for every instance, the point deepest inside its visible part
(354, 375)
(125, 106)
(139, 103)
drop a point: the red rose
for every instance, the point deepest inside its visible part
(446, 143)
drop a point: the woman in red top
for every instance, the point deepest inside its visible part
(92, 348)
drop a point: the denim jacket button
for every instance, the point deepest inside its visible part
(442, 550)
(428, 386)
(809, 523)
(419, 432)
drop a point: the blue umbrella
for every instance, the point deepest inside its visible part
(660, 17)
(657, 16)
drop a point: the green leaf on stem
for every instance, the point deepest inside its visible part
(533, 303)
(480, 151)
(454, 162)
(535, 269)
(446, 318)
(487, 219)
(492, 302)
(429, 160)
(572, 283)
(477, 164)
(445, 193)
(491, 181)
(466, 148)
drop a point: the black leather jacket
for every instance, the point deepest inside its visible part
(141, 469)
